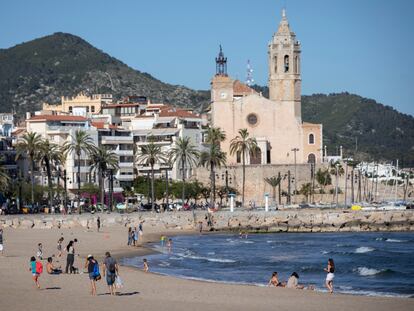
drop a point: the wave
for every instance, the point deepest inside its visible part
(364, 249)
(212, 259)
(364, 271)
(394, 241)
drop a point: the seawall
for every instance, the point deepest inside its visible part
(304, 220)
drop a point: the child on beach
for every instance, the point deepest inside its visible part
(330, 276)
(36, 268)
(169, 245)
(129, 236)
(59, 246)
(39, 253)
(146, 267)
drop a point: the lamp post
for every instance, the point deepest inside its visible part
(66, 189)
(294, 152)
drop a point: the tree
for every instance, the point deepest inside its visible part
(29, 145)
(214, 157)
(103, 160)
(337, 170)
(151, 154)
(306, 190)
(323, 177)
(187, 154)
(48, 154)
(80, 142)
(244, 145)
(273, 181)
(4, 177)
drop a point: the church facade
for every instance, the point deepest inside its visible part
(275, 122)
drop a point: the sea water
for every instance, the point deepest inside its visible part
(374, 264)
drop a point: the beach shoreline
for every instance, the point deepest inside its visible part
(147, 291)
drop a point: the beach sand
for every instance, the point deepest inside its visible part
(144, 291)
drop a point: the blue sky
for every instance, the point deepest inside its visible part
(363, 47)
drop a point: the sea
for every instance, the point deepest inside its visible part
(372, 264)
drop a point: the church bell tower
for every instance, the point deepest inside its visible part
(284, 68)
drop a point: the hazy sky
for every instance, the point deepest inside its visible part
(360, 46)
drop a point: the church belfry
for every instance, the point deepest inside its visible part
(221, 64)
(284, 67)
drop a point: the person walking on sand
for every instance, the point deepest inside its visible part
(93, 270)
(110, 270)
(1, 241)
(36, 268)
(70, 258)
(146, 267)
(59, 246)
(98, 223)
(330, 276)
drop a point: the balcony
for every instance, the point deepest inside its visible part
(124, 152)
(126, 164)
(116, 140)
(57, 129)
(125, 177)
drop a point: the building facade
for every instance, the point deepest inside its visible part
(275, 122)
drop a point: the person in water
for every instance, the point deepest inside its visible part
(146, 267)
(330, 276)
(274, 280)
(169, 245)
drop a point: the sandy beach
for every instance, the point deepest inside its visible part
(144, 291)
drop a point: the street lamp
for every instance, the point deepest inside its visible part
(294, 151)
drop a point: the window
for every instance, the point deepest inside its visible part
(252, 119)
(311, 139)
(268, 160)
(92, 108)
(87, 108)
(286, 63)
(256, 156)
(238, 157)
(70, 109)
(275, 63)
(296, 64)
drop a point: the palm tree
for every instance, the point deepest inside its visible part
(324, 179)
(337, 170)
(4, 177)
(103, 160)
(29, 145)
(213, 158)
(48, 154)
(185, 152)
(306, 190)
(273, 181)
(150, 155)
(243, 144)
(80, 142)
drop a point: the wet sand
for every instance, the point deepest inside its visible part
(144, 291)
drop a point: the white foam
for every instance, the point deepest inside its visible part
(364, 271)
(394, 241)
(211, 259)
(363, 249)
(324, 252)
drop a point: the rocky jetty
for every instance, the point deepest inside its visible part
(253, 221)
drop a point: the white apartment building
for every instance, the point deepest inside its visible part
(60, 129)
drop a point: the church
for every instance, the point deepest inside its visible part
(275, 122)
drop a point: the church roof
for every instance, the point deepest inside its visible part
(240, 89)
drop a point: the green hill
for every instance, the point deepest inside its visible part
(63, 64)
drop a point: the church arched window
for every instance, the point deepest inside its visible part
(311, 158)
(311, 139)
(286, 63)
(275, 63)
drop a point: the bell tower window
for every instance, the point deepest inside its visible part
(296, 64)
(286, 63)
(275, 63)
(311, 139)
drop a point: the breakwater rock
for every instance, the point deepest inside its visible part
(304, 220)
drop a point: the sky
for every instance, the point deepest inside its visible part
(362, 47)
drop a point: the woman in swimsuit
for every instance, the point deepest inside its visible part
(330, 276)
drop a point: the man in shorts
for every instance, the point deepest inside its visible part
(110, 270)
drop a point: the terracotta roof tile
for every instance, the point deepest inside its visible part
(240, 89)
(57, 118)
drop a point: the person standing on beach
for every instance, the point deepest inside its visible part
(98, 223)
(110, 270)
(330, 276)
(59, 246)
(200, 227)
(135, 236)
(129, 236)
(70, 258)
(1, 241)
(140, 230)
(36, 268)
(93, 271)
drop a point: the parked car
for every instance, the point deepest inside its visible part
(148, 207)
(12, 209)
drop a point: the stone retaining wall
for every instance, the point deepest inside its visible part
(306, 220)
